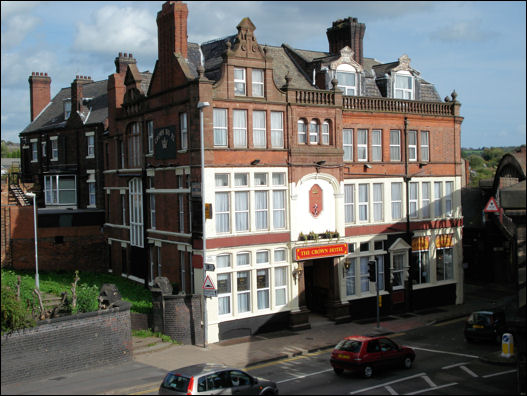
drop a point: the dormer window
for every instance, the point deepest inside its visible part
(403, 86)
(239, 82)
(347, 79)
(67, 108)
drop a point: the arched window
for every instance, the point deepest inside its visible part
(347, 80)
(314, 129)
(302, 131)
(325, 132)
(135, 146)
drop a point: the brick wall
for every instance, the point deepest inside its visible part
(68, 344)
(183, 318)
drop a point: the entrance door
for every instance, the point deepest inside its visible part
(317, 284)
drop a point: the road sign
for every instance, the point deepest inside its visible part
(208, 285)
(209, 267)
(210, 293)
(491, 206)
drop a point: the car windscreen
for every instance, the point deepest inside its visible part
(176, 382)
(349, 346)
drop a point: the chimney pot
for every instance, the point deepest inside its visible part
(130, 55)
(120, 54)
(125, 55)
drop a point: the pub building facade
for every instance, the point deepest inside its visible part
(314, 164)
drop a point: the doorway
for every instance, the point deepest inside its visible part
(317, 284)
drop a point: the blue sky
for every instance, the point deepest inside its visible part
(476, 48)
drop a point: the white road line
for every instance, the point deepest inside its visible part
(449, 353)
(304, 376)
(454, 365)
(429, 381)
(390, 390)
(466, 369)
(500, 373)
(387, 383)
(431, 389)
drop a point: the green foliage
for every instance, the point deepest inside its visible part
(149, 333)
(87, 299)
(15, 314)
(476, 161)
(484, 161)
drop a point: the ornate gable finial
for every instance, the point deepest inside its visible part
(404, 65)
(346, 58)
(245, 40)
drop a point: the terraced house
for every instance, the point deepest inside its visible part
(303, 166)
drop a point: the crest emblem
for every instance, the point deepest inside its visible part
(315, 200)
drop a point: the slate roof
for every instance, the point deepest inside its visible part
(52, 116)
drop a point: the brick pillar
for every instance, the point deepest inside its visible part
(39, 92)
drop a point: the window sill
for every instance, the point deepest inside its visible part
(90, 156)
(149, 155)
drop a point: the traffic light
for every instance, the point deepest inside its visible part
(371, 270)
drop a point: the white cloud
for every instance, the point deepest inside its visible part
(17, 22)
(114, 29)
(463, 31)
(10, 8)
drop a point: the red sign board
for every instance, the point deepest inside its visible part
(314, 252)
(491, 206)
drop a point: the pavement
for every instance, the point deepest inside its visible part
(263, 348)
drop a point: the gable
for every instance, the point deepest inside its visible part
(399, 244)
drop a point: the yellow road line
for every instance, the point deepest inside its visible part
(450, 321)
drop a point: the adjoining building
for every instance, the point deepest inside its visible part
(315, 163)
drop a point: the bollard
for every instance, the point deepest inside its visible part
(507, 345)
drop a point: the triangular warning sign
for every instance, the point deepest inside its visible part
(491, 206)
(208, 285)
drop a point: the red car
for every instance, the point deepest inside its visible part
(366, 354)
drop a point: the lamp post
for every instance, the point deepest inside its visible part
(33, 195)
(202, 105)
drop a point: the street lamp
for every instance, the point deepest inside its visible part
(33, 195)
(201, 106)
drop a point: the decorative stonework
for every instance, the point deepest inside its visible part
(245, 44)
(404, 65)
(346, 58)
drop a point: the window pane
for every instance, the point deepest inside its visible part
(220, 127)
(259, 138)
(223, 261)
(277, 129)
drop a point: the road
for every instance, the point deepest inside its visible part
(444, 364)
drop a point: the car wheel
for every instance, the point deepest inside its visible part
(407, 362)
(338, 371)
(367, 371)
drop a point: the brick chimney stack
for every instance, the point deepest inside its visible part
(171, 32)
(347, 32)
(122, 62)
(76, 92)
(39, 92)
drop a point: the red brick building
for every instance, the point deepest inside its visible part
(315, 163)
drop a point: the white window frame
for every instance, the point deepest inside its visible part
(314, 130)
(54, 148)
(220, 129)
(425, 146)
(279, 212)
(92, 194)
(397, 270)
(67, 108)
(413, 200)
(350, 90)
(226, 295)
(150, 133)
(181, 207)
(412, 145)
(239, 128)
(266, 289)
(246, 294)
(257, 83)
(302, 131)
(183, 128)
(396, 202)
(261, 212)
(259, 132)
(52, 189)
(362, 145)
(449, 198)
(135, 205)
(448, 272)
(378, 202)
(43, 147)
(350, 277)
(425, 200)
(376, 145)
(277, 130)
(364, 204)
(348, 146)
(349, 203)
(225, 214)
(240, 82)
(395, 148)
(135, 146)
(241, 215)
(325, 133)
(90, 145)
(401, 92)
(280, 287)
(34, 150)
(438, 199)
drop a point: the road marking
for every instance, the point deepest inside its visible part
(429, 381)
(500, 373)
(390, 390)
(449, 353)
(387, 383)
(286, 360)
(454, 365)
(466, 369)
(450, 321)
(431, 389)
(304, 376)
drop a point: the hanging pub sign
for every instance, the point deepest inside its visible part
(315, 252)
(444, 241)
(315, 200)
(165, 146)
(420, 243)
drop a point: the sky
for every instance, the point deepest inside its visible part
(474, 48)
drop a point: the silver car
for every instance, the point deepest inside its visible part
(214, 379)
